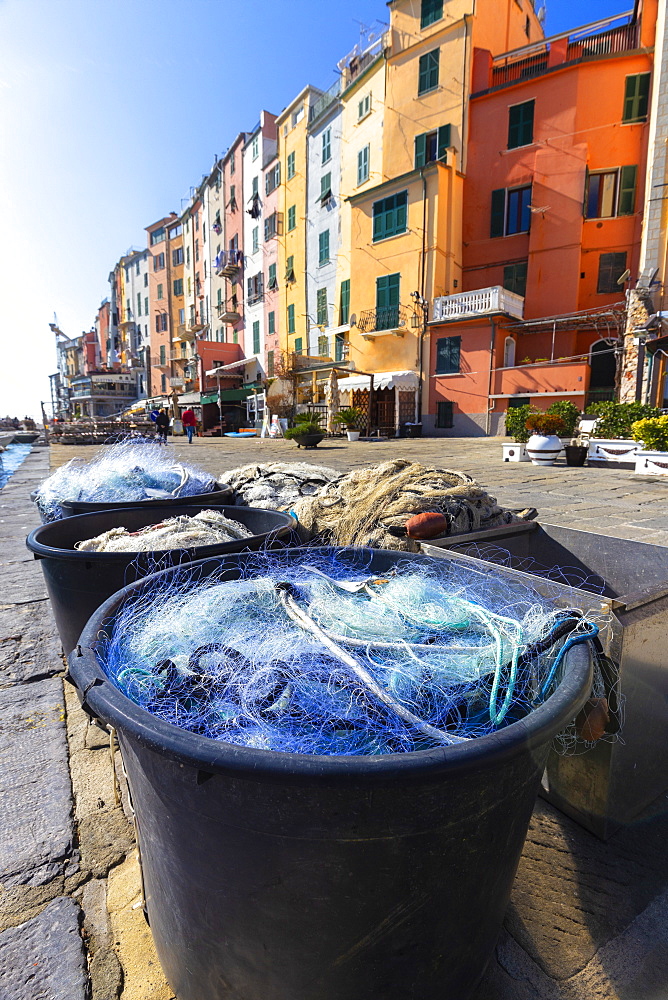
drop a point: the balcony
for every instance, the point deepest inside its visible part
(384, 321)
(551, 378)
(184, 332)
(228, 313)
(177, 355)
(228, 263)
(481, 302)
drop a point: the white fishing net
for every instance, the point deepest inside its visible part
(208, 527)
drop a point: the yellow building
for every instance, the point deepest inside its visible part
(405, 229)
(292, 153)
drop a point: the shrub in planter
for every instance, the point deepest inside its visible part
(568, 412)
(352, 417)
(653, 432)
(615, 419)
(303, 429)
(516, 418)
(544, 423)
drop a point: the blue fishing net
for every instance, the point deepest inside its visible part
(131, 470)
(308, 653)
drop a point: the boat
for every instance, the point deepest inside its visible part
(6, 438)
(25, 437)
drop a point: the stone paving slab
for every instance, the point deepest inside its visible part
(35, 791)
(44, 959)
(29, 646)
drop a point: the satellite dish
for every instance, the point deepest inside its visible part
(541, 14)
(624, 277)
(353, 320)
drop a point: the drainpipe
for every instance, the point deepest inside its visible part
(423, 269)
(488, 417)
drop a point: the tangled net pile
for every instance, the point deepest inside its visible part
(369, 507)
(209, 527)
(317, 657)
(277, 485)
(133, 470)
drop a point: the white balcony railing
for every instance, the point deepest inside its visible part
(481, 302)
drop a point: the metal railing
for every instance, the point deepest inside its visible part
(625, 38)
(383, 318)
(519, 69)
(227, 262)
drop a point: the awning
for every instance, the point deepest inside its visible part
(211, 397)
(381, 380)
(235, 364)
(188, 398)
(235, 395)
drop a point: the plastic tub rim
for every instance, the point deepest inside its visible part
(106, 702)
(42, 551)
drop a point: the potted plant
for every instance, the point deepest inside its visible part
(544, 445)
(652, 454)
(576, 452)
(516, 418)
(614, 443)
(570, 415)
(350, 417)
(307, 432)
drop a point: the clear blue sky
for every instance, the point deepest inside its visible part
(111, 109)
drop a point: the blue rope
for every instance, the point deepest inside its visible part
(573, 640)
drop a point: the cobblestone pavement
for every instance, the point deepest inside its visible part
(587, 920)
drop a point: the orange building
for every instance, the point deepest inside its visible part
(552, 216)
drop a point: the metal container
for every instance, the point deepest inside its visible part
(613, 783)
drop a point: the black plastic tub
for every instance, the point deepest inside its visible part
(276, 876)
(79, 582)
(219, 495)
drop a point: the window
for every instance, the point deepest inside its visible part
(428, 72)
(235, 336)
(177, 256)
(163, 383)
(219, 296)
(387, 301)
(182, 315)
(290, 269)
(510, 211)
(272, 282)
(273, 226)
(157, 236)
(145, 279)
(138, 303)
(136, 267)
(610, 192)
(431, 146)
(323, 347)
(190, 286)
(233, 198)
(254, 186)
(159, 291)
(256, 337)
(256, 238)
(390, 216)
(323, 247)
(432, 10)
(364, 107)
(196, 250)
(611, 266)
(509, 348)
(188, 256)
(158, 262)
(515, 277)
(292, 218)
(325, 188)
(339, 347)
(291, 319)
(298, 345)
(271, 322)
(175, 231)
(272, 178)
(321, 315)
(146, 306)
(363, 165)
(326, 145)
(636, 97)
(297, 115)
(233, 165)
(344, 305)
(447, 355)
(291, 165)
(178, 286)
(444, 417)
(255, 147)
(163, 357)
(520, 125)
(255, 289)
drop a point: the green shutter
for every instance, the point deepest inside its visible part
(443, 142)
(401, 212)
(636, 97)
(271, 322)
(520, 125)
(498, 212)
(292, 217)
(291, 319)
(270, 361)
(627, 191)
(323, 247)
(321, 307)
(344, 310)
(428, 71)
(256, 337)
(298, 345)
(387, 301)
(420, 150)
(378, 220)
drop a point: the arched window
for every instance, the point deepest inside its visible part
(603, 364)
(509, 352)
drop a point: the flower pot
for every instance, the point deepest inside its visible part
(353, 435)
(576, 454)
(651, 463)
(613, 451)
(543, 449)
(308, 440)
(515, 452)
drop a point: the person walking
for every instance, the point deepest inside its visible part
(162, 423)
(189, 422)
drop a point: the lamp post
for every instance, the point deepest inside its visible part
(420, 302)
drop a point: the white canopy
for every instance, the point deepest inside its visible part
(381, 380)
